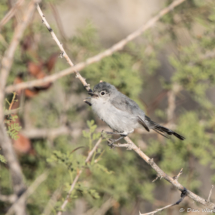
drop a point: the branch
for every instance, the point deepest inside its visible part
(118, 46)
(6, 63)
(60, 45)
(7, 59)
(52, 201)
(28, 192)
(13, 99)
(105, 207)
(183, 195)
(172, 180)
(171, 101)
(14, 167)
(168, 206)
(10, 13)
(209, 196)
(9, 198)
(77, 177)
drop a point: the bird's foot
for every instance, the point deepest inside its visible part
(111, 143)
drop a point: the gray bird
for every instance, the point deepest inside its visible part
(122, 114)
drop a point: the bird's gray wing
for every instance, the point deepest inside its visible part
(123, 103)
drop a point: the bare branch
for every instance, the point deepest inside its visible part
(171, 180)
(28, 192)
(183, 195)
(158, 176)
(60, 45)
(105, 207)
(13, 99)
(158, 210)
(176, 88)
(52, 202)
(118, 46)
(77, 176)
(10, 13)
(209, 196)
(179, 174)
(14, 167)
(7, 59)
(9, 198)
(6, 63)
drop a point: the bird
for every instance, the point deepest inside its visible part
(121, 113)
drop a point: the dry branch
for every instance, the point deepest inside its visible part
(77, 176)
(9, 198)
(52, 201)
(118, 46)
(60, 45)
(7, 59)
(209, 196)
(14, 167)
(6, 145)
(183, 195)
(171, 180)
(10, 13)
(28, 192)
(176, 88)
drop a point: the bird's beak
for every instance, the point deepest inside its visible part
(92, 94)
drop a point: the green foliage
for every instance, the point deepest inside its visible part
(13, 130)
(13, 127)
(139, 72)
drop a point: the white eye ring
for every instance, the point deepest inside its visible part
(102, 93)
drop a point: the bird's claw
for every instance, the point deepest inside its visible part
(111, 143)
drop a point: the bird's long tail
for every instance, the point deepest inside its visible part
(160, 129)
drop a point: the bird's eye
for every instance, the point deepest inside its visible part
(102, 93)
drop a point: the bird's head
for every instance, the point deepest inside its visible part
(103, 91)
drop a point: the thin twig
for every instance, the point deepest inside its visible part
(118, 46)
(14, 111)
(13, 99)
(158, 210)
(77, 176)
(183, 195)
(52, 201)
(29, 191)
(158, 176)
(58, 21)
(179, 174)
(10, 13)
(176, 88)
(60, 45)
(209, 196)
(105, 207)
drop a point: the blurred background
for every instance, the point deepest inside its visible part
(168, 71)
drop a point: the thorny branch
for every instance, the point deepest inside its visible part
(116, 47)
(172, 180)
(183, 195)
(60, 45)
(77, 176)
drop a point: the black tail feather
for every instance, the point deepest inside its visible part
(161, 130)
